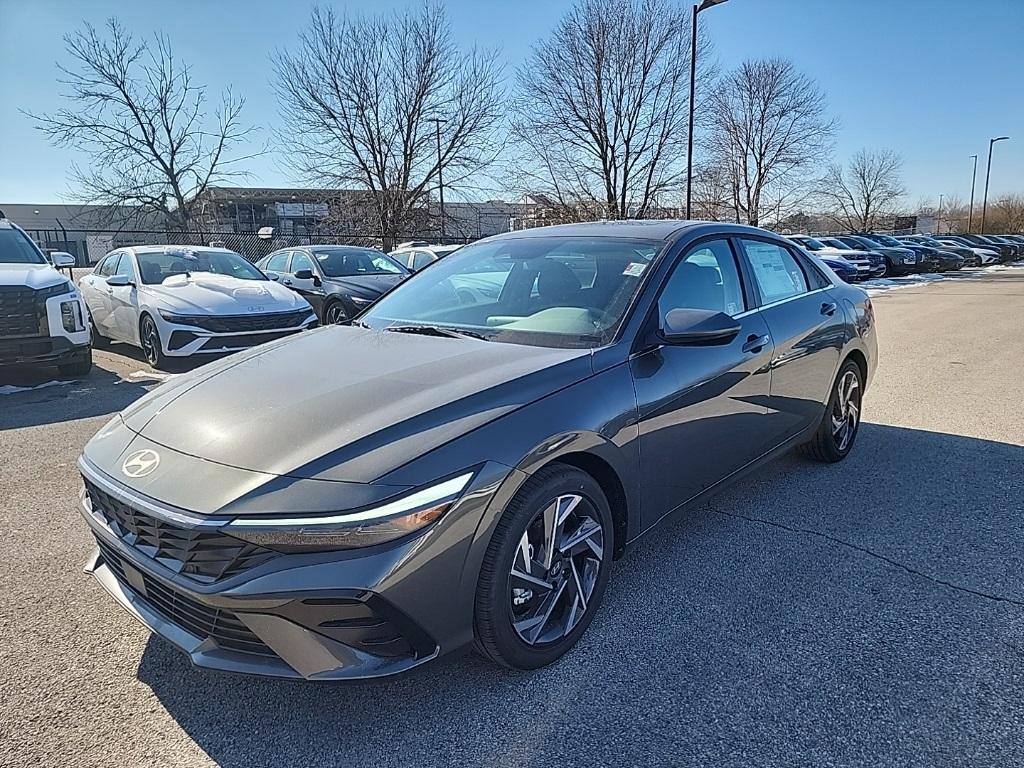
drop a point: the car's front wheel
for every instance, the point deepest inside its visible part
(152, 347)
(545, 569)
(839, 425)
(335, 313)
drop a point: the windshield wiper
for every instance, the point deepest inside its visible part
(435, 330)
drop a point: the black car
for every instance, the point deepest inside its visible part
(357, 500)
(970, 258)
(898, 261)
(932, 259)
(1016, 249)
(339, 281)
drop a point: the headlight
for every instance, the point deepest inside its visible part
(60, 289)
(360, 302)
(354, 529)
(71, 316)
(170, 317)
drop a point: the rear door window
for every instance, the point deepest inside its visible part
(778, 274)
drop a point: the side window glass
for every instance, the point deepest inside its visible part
(106, 267)
(707, 278)
(815, 279)
(776, 271)
(420, 259)
(124, 267)
(301, 261)
(278, 262)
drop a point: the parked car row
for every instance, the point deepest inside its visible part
(865, 255)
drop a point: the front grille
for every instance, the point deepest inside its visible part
(245, 323)
(201, 554)
(204, 621)
(21, 311)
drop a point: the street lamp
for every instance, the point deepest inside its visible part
(938, 217)
(974, 178)
(988, 172)
(440, 180)
(693, 88)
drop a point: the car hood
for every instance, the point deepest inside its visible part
(30, 275)
(206, 293)
(367, 286)
(347, 403)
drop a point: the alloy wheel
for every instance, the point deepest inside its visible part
(846, 411)
(150, 342)
(335, 314)
(555, 569)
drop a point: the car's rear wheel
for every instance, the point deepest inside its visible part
(335, 313)
(98, 339)
(152, 347)
(840, 423)
(545, 569)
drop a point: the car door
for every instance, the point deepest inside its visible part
(94, 290)
(311, 288)
(123, 321)
(277, 263)
(808, 326)
(702, 408)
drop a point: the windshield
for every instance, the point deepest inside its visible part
(350, 262)
(545, 291)
(157, 266)
(854, 243)
(811, 244)
(16, 248)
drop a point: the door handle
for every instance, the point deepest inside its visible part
(829, 308)
(756, 343)
(287, 282)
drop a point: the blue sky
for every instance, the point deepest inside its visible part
(931, 79)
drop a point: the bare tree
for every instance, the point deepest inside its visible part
(364, 100)
(601, 107)
(1007, 214)
(143, 124)
(869, 189)
(767, 124)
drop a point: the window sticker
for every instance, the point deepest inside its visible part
(634, 269)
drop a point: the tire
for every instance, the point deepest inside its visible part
(79, 367)
(334, 313)
(886, 269)
(99, 341)
(831, 443)
(152, 346)
(509, 621)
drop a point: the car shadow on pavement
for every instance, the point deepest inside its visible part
(40, 396)
(810, 614)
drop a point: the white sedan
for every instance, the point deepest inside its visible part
(177, 301)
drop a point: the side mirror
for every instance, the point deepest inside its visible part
(62, 259)
(304, 274)
(273, 276)
(119, 281)
(698, 326)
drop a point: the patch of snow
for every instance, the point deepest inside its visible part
(154, 375)
(10, 389)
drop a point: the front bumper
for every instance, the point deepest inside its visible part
(41, 350)
(182, 340)
(334, 615)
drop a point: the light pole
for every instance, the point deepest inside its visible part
(988, 172)
(970, 211)
(938, 217)
(440, 179)
(693, 89)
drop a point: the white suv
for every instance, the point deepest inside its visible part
(42, 317)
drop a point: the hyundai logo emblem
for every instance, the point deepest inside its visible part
(141, 463)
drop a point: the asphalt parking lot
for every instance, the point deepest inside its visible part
(867, 613)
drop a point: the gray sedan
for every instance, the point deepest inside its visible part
(461, 465)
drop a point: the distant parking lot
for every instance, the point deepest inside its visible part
(869, 612)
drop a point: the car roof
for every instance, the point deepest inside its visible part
(138, 249)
